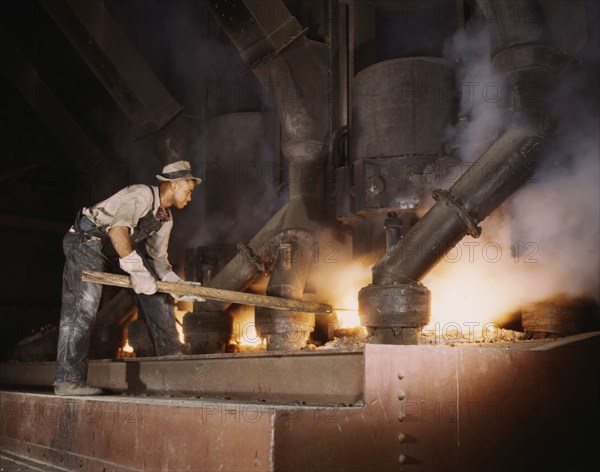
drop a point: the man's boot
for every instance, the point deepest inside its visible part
(75, 389)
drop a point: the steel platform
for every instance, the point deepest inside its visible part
(305, 377)
(532, 406)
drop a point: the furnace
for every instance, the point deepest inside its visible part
(396, 239)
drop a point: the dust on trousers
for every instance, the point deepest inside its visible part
(80, 301)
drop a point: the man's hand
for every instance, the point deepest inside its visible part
(173, 277)
(141, 279)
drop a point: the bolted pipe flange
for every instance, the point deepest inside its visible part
(457, 207)
(208, 332)
(553, 318)
(283, 330)
(394, 314)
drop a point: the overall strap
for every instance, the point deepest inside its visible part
(153, 197)
(148, 224)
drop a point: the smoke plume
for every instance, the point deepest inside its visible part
(544, 240)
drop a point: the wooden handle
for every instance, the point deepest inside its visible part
(193, 288)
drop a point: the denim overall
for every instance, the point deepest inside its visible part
(88, 247)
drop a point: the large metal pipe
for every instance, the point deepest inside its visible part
(258, 257)
(401, 109)
(528, 64)
(294, 71)
(287, 330)
(500, 170)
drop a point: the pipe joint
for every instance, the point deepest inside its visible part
(456, 205)
(387, 310)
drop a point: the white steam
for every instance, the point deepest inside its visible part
(480, 89)
(544, 241)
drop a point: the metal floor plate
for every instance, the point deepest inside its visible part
(422, 408)
(311, 377)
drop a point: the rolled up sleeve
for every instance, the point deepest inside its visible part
(130, 208)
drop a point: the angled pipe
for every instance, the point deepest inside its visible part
(524, 56)
(115, 61)
(125, 75)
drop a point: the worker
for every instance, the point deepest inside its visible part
(132, 227)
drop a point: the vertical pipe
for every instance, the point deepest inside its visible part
(343, 64)
(272, 43)
(393, 229)
(284, 330)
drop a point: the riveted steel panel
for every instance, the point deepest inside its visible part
(443, 408)
(112, 433)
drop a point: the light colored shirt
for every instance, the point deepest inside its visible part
(125, 208)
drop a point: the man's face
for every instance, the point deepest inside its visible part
(182, 192)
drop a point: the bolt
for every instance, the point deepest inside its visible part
(374, 185)
(401, 395)
(400, 375)
(402, 459)
(401, 416)
(402, 437)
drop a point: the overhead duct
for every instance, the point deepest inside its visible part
(122, 71)
(292, 69)
(522, 55)
(115, 61)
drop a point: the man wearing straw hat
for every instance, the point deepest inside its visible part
(132, 227)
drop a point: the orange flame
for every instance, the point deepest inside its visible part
(339, 285)
(244, 329)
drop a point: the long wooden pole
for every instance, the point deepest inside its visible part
(193, 288)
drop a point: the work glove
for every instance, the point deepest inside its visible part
(141, 279)
(173, 277)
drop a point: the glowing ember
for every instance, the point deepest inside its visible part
(179, 314)
(339, 284)
(472, 289)
(249, 336)
(244, 329)
(180, 333)
(348, 317)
